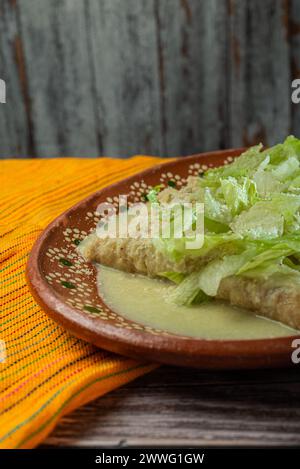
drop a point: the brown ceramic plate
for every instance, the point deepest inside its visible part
(65, 286)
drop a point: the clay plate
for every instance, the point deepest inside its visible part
(65, 286)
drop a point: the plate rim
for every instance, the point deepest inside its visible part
(177, 350)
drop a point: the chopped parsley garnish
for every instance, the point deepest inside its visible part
(91, 309)
(68, 285)
(66, 262)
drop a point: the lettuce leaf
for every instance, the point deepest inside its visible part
(244, 165)
(238, 195)
(176, 277)
(276, 271)
(211, 275)
(205, 283)
(262, 221)
(188, 292)
(215, 209)
(277, 251)
(267, 219)
(220, 244)
(286, 169)
(251, 222)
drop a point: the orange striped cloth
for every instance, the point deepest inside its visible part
(47, 372)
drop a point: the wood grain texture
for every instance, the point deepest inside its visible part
(260, 81)
(174, 406)
(180, 28)
(124, 51)
(192, 52)
(166, 77)
(14, 117)
(237, 72)
(269, 101)
(55, 41)
(214, 60)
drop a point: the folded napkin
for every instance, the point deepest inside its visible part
(47, 372)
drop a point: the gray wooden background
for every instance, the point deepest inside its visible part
(165, 77)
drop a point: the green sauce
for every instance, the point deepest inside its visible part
(145, 301)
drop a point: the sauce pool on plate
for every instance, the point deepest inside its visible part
(146, 301)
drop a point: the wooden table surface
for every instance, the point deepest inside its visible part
(173, 406)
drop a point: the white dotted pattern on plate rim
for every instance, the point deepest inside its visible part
(70, 269)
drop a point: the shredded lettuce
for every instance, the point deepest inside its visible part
(278, 251)
(238, 196)
(262, 221)
(176, 277)
(278, 271)
(268, 218)
(266, 182)
(214, 244)
(245, 165)
(206, 282)
(152, 194)
(215, 209)
(188, 291)
(211, 275)
(251, 222)
(286, 169)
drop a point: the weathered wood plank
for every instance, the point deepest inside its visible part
(188, 407)
(14, 115)
(214, 70)
(54, 36)
(146, 76)
(237, 80)
(180, 30)
(260, 105)
(125, 60)
(192, 48)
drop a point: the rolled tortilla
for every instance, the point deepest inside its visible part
(135, 255)
(275, 300)
(278, 301)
